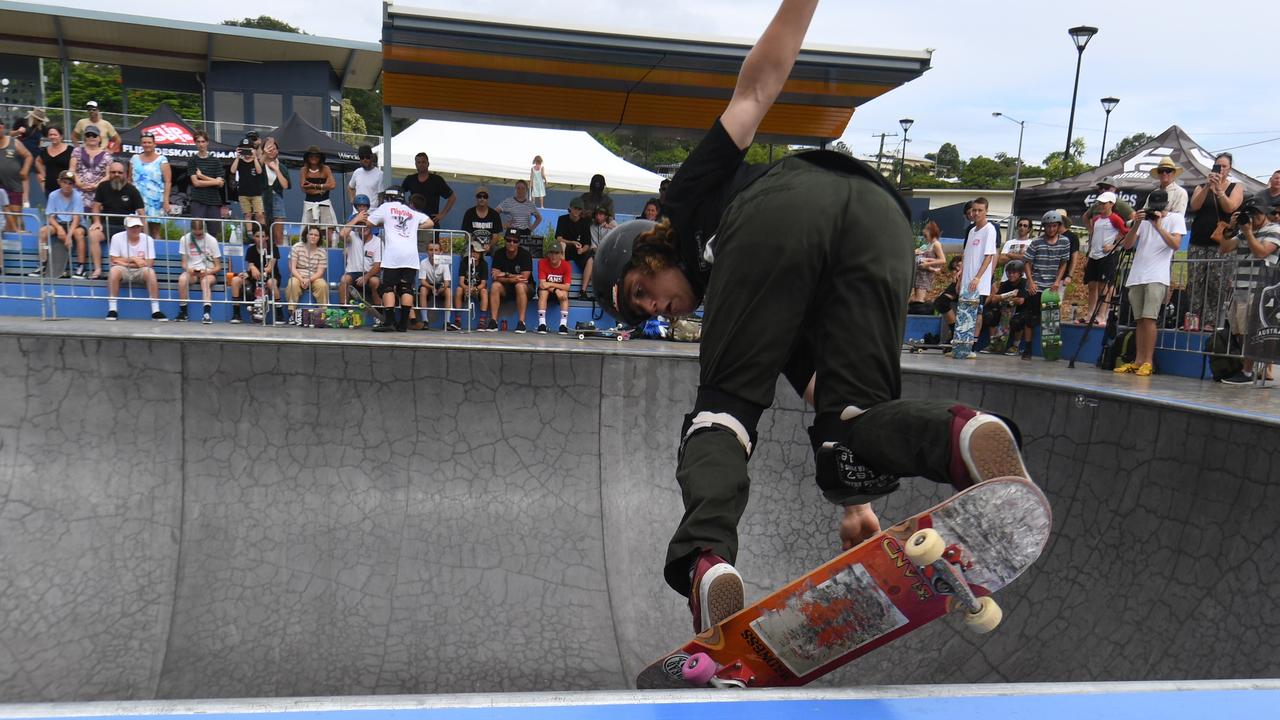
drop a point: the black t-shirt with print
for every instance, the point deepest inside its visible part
(482, 229)
(125, 201)
(513, 266)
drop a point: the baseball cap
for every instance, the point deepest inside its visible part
(365, 151)
(512, 234)
(1107, 181)
(92, 130)
(1107, 197)
(577, 203)
(133, 221)
(92, 104)
(554, 248)
(67, 175)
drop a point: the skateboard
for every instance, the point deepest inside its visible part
(918, 346)
(606, 334)
(59, 259)
(1000, 333)
(949, 558)
(966, 323)
(357, 299)
(1050, 325)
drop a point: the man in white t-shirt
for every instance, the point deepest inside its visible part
(400, 225)
(133, 257)
(361, 256)
(201, 262)
(366, 180)
(1156, 234)
(435, 278)
(979, 257)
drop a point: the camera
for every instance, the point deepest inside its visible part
(1157, 202)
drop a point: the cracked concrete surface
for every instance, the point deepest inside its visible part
(182, 520)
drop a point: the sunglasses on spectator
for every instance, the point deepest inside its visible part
(1024, 225)
(482, 195)
(1164, 171)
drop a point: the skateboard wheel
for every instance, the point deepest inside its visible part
(582, 336)
(987, 617)
(924, 547)
(699, 669)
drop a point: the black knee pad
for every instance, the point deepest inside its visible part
(843, 477)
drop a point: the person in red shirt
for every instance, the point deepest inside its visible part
(554, 277)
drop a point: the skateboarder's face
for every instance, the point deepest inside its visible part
(1053, 229)
(666, 292)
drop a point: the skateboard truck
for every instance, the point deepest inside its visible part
(944, 566)
(701, 670)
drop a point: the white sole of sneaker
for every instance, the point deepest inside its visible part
(721, 594)
(989, 450)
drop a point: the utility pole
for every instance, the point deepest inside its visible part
(880, 154)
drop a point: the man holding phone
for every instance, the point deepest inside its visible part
(1213, 202)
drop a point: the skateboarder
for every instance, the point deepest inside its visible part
(828, 313)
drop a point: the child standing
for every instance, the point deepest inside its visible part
(538, 181)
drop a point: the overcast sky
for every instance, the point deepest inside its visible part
(1172, 63)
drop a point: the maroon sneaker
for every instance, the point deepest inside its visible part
(982, 447)
(716, 593)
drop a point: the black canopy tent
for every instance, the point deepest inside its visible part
(175, 139)
(1131, 174)
(296, 135)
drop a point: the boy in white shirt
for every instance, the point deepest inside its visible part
(1156, 234)
(435, 278)
(979, 257)
(201, 261)
(400, 225)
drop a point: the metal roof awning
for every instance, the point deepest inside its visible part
(101, 37)
(447, 65)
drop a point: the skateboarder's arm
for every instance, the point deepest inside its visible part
(766, 69)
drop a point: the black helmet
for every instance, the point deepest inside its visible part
(391, 194)
(613, 258)
(1014, 266)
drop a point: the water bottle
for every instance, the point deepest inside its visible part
(1191, 322)
(504, 325)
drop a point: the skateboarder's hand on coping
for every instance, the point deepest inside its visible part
(858, 523)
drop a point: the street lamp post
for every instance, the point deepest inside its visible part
(1022, 127)
(1080, 36)
(1108, 104)
(906, 124)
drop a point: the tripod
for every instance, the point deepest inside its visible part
(1111, 296)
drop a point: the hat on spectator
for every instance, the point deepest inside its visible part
(555, 248)
(245, 144)
(92, 104)
(477, 246)
(482, 189)
(361, 200)
(364, 152)
(513, 234)
(1106, 182)
(1053, 216)
(1166, 162)
(1107, 196)
(67, 175)
(38, 115)
(577, 203)
(133, 221)
(314, 150)
(92, 130)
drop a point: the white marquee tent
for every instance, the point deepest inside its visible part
(475, 151)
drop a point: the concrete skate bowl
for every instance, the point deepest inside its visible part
(191, 519)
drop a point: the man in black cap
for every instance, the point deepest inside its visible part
(366, 180)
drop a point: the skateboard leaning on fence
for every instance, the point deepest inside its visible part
(1051, 325)
(947, 559)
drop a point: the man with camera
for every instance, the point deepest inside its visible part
(1255, 235)
(1208, 277)
(1155, 233)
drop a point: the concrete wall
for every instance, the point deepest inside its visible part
(183, 520)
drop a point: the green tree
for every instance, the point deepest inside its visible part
(103, 83)
(983, 173)
(1128, 145)
(948, 160)
(354, 130)
(265, 22)
(1057, 167)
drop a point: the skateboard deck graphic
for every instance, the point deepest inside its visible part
(1051, 325)
(1000, 333)
(355, 297)
(966, 323)
(872, 594)
(619, 335)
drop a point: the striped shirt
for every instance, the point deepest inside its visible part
(308, 261)
(520, 211)
(1249, 268)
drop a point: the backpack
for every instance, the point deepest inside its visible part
(1221, 364)
(1123, 349)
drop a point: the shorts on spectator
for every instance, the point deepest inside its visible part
(135, 275)
(1031, 311)
(277, 207)
(1238, 315)
(580, 260)
(399, 280)
(1101, 269)
(1147, 299)
(250, 204)
(530, 290)
(15, 197)
(317, 212)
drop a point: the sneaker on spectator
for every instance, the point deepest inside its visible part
(159, 316)
(493, 325)
(1011, 350)
(520, 328)
(716, 591)
(1240, 378)
(564, 329)
(80, 272)
(235, 316)
(207, 319)
(113, 315)
(1126, 368)
(181, 316)
(37, 273)
(383, 327)
(542, 328)
(1145, 371)
(452, 327)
